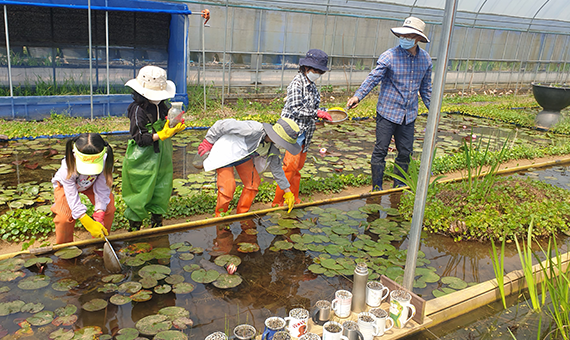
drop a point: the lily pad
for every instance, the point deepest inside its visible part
(134, 261)
(163, 253)
(4, 289)
(283, 245)
(108, 288)
(183, 288)
(203, 276)
(11, 264)
(32, 307)
(182, 323)
(155, 271)
(87, 333)
(64, 285)
(170, 335)
(130, 287)
(225, 281)
(331, 264)
(172, 279)
(95, 305)
(66, 310)
(34, 282)
(9, 275)
(41, 318)
(37, 260)
(142, 295)
(153, 324)
(245, 247)
(127, 334)
(114, 278)
(65, 320)
(163, 289)
(224, 260)
(119, 300)
(454, 282)
(7, 308)
(174, 312)
(68, 253)
(317, 268)
(61, 334)
(148, 282)
(186, 256)
(276, 230)
(190, 268)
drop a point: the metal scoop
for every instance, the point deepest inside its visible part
(110, 258)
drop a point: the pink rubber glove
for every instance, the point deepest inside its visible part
(204, 147)
(324, 115)
(99, 216)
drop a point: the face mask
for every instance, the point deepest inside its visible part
(313, 76)
(155, 102)
(407, 43)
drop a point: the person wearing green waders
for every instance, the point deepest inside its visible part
(147, 167)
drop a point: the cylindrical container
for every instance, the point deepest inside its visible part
(297, 322)
(351, 331)
(359, 287)
(273, 325)
(245, 332)
(341, 303)
(375, 293)
(175, 114)
(322, 312)
(217, 336)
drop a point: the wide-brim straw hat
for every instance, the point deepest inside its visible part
(412, 25)
(284, 133)
(152, 84)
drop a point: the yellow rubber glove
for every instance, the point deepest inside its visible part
(289, 199)
(95, 228)
(168, 132)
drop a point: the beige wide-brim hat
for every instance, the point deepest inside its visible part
(152, 84)
(412, 25)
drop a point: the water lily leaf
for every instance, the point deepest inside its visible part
(317, 268)
(393, 272)
(182, 323)
(142, 295)
(4, 289)
(108, 288)
(357, 214)
(246, 247)
(186, 256)
(170, 335)
(114, 278)
(182, 288)
(454, 282)
(41, 318)
(162, 289)
(308, 238)
(155, 271)
(163, 253)
(283, 245)
(174, 312)
(331, 264)
(333, 249)
(153, 324)
(66, 310)
(299, 246)
(37, 260)
(148, 282)
(130, 287)
(12, 264)
(61, 334)
(32, 307)
(203, 276)
(94, 305)
(87, 333)
(65, 320)
(173, 279)
(224, 260)
(191, 267)
(184, 249)
(177, 245)
(127, 334)
(197, 250)
(7, 308)
(34, 282)
(316, 247)
(276, 230)
(134, 261)
(10, 275)
(226, 281)
(145, 257)
(297, 238)
(428, 276)
(68, 253)
(64, 285)
(119, 300)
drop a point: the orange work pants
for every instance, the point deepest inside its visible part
(64, 223)
(292, 164)
(227, 186)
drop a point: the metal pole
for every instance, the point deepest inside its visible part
(90, 58)
(231, 50)
(224, 56)
(429, 143)
(8, 51)
(257, 56)
(107, 52)
(563, 57)
(284, 47)
(353, 50)
(204, 61)
(502, 58)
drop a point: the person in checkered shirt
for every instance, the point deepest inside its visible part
(302, 106)
(404, 71)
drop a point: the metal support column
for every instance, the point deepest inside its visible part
(429, 143)
(90, 57)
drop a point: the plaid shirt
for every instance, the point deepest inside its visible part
(402, 75)
(303, 100)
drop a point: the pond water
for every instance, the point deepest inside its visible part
(284, 263)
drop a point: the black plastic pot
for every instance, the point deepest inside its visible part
(552, 99)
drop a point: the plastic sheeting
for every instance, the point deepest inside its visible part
(107, 5)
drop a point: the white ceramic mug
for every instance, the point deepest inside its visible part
(332, 330)
(310, 336)
(341, 303)
(382, 320)
(375, 293)
(401, 309)
(367, 325)
(297, 322)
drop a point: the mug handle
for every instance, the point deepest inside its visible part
(359, 335)
(386, 295)
(343, 337)
(264, 335)
(287, 319)
(391, 324)
(314, 316)
(376, 330)
(333, 305)
(413, 312)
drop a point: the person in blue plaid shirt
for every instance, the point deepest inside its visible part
(302, 106)
(404, 71)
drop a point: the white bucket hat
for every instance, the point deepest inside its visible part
(412, 25)
(151, 83)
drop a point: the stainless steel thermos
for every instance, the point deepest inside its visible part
(359, 288)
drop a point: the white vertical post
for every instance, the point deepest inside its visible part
(90, 57)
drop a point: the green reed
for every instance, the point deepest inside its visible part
(499, 268)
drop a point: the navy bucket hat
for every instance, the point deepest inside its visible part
(316, 59)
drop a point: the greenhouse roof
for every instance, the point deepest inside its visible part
(107, 5)
(552, 16)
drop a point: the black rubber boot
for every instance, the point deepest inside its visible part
(377, 175)
(135, 225)
(155, 221)
(397, 182)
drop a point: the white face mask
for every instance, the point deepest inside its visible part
(155, 102)
(313, 76)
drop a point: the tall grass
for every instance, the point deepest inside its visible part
(525, 255)
(499, 268)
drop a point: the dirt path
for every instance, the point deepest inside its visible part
(81, 234)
